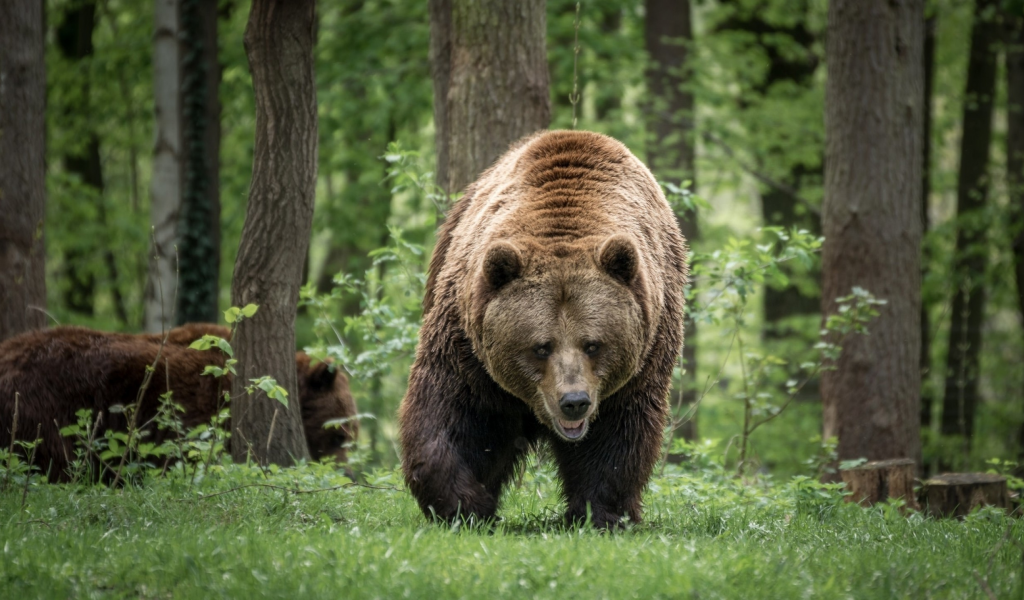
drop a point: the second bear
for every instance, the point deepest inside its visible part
(58, 371)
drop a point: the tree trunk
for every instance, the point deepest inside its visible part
(165, 190)
(1015, 161)
(927, 401)
(23, 168)
(497, 83)
(278, 222)
(199, 226)
(874, 99)
(440, 73)
(668, 36)
(960, 401)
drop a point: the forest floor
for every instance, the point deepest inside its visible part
(706, 534)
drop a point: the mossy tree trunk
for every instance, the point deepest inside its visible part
(23, 167)
(496, 89)
(871, 220)
(668, 35)
(960, 401)
(278, 222)
(199, 225)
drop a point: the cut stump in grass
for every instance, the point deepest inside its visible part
(956, 494)
(879, 480)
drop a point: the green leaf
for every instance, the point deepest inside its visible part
(249, 310)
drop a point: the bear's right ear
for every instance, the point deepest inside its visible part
(618, 257)
(502, 265)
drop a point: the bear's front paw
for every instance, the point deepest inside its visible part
(600, 518)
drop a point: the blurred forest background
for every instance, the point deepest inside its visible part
(749, 93)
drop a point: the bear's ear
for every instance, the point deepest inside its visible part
(321, 376)
(502, 265)
(618, 257)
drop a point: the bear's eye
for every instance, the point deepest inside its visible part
(591, 348)
(542, 350)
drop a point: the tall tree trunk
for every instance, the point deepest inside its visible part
(497, 82)
(960, 401)
(1015, 161)
(440, 73)
(278, 222)
(23, 168)
(668, 36)
(927, 401)
(871, 220)
(199, 226)
(165, 190)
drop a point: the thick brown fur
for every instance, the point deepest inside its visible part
(559, 273)
(59, 371)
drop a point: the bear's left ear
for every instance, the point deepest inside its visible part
(321, 376)
(618, 257)
(502, 264)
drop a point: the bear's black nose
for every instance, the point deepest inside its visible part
(574, 405)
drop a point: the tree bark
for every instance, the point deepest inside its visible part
(960, 401)
(275, 238)
(199, 226)
(22, 168)
(874, 99)
(440, 73)
(165, 189)
(1015, 162)
(927, 401)
(668, 36)
(497, 83)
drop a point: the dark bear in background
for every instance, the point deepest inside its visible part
(59, 371)
(553, 311)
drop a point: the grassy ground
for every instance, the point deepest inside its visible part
(705, 536)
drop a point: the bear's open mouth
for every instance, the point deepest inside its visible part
(571, 430)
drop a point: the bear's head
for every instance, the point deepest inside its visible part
(561, 327)
(324, 396)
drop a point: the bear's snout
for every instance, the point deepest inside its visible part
(574, 405)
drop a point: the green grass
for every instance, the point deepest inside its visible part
(705, 536)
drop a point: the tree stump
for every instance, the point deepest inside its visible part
(956, 494)
(880, 480)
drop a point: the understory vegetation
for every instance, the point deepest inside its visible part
(241, 532)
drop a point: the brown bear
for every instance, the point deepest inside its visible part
(59, 371)
(553, 311)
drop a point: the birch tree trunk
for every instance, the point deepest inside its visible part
(871, 219)
(165, 190)
(22, 168)
(278, 222)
